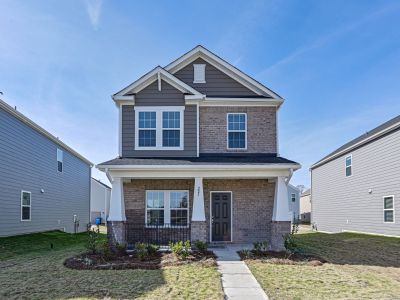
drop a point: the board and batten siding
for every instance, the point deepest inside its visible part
(344, 203)
(28, 161)
(217, 82)
(151, 96)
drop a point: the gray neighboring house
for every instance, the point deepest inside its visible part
(100, 194)
(45, 185)
(294, 201)
(357, 187)
(198, 157)
(305, 206)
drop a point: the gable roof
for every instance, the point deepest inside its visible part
(12, 111)
(101, 183)
(158, 73)
(363, 139)
(222, 65)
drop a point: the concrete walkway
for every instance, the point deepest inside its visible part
(237, 280)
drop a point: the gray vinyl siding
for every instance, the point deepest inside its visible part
(344, 203)
(217, 82)
(189, 138)
(168, 96)
(28, 161)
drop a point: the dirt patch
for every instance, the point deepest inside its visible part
(123, 262)
(282, 258)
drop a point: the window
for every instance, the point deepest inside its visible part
(147, 129)
(171, 129)
(237, 131)
(293, 197)
(167, 207)
(159, 128)
(60, 160)
(349, 161)
(199, 73)
(388, 209)
(25, 206)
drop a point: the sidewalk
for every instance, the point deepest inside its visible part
(237, 280)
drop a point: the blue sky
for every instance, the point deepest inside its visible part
(337, 63)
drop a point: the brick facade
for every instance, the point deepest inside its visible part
(252, 206)
(261, 129)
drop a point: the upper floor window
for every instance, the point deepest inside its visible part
(237, 131)
(199, 73)
(349, 165)
(159, 128)
(388, 209)
(25, 206)
(293, 197)
(60, 160)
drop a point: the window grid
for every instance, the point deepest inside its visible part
(171, 129)
(173, 209)
(147, 129)
(349, 165)
(60, 161)
(237, 130)
(388, 209)
(26, 206)
(293, 197)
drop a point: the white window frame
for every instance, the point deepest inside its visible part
(293, 196)
(61, 152)
(346, 166)
(23, 205)
(388, 209)
(228, 131)
(167, 207)
(159, 126)
(199, 68)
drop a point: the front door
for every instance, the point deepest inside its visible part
(221, 216)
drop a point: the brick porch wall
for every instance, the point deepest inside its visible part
(261, 129)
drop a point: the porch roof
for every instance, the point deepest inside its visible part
(203, 159)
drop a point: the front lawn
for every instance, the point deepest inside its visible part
(31, 268)
(359, 267)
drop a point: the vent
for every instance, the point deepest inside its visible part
(199, 75)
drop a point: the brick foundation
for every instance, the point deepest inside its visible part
(199, 231)
(115, 233)
(278, 232)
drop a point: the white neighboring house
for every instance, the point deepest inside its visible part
(100, 194)
(294, 201)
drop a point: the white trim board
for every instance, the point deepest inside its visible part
(211, 192)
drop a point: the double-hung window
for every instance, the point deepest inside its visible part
(349, 165)
(167, 208)
(388, 209)
(159, 128)
(60, 160)
(25, 206)
(237, 130)
(293, 197)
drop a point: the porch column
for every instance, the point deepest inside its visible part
(116, 217)
(281, 216)
(198, 223)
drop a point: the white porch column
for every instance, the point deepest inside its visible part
(198, 213)
(281, 210)
(117, 204)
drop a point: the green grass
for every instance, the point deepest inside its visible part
(30, 269)
(359, 267)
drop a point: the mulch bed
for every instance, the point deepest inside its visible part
(121, 262)
(283, 258)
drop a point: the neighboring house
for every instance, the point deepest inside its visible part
(294, 201)
(198, 156)
(45, 185)
(100, 194)
(305, 206)
(357, 187)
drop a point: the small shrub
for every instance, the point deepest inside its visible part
(141, 250)
(152, 249)
(201, 246)
(106, 250)
(260, 248)
(92, 240)
(121, 248)
(290, 244)
(180, 249)
(245, 254)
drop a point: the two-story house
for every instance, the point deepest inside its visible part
(198, 153)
